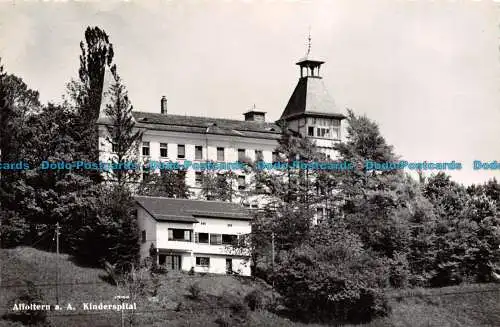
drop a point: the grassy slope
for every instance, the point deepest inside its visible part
(173, 307)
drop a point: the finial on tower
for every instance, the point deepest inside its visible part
(308, 63)
(309, 42)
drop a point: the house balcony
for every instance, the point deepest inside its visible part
(201, 248)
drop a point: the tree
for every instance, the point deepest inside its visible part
(168, 183)
(17, 101)
(110, 231)
(121, 132)
(330, 277)
(86, 92)
(453, 233)
(217, 186)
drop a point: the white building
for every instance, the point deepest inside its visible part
(310, 111)
(194, 234)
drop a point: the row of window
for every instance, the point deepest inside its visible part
(198, 152)
(198, 179)
(186, 235)
(324, 132)
(205, 262)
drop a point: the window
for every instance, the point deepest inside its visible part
(163, 150)
(146, 175)
(198, 177)
(198, 152)
(229, 239)
(203, 223)
(203, 261)
(241, 182)
(145, 148)
(319, 214)
(241, 154)
(179, 235)
(310, 131)
(114, 147)
(229, 225)
(201, 238)
(336, 132)
(323, 132)
(181, 151)
(220, 154)
(258, 155)
(215, 239)
(143, 236)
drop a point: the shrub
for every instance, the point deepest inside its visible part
(194, 290)
(235, 304)
(399, 271)
(29, 317)
(223, 321)
(255, 300)
(331, 277)
(156, 269)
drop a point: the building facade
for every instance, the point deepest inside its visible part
(185, 240)
(310, 111)
(193, 234)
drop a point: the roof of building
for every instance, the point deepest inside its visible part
(206, 125)
(185, 210)
(311, 97)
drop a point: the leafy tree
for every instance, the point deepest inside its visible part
(217, 186)
(453, 234)
(375, 204)
(110, 231)
(16, 102)
(330, 277)
(168, 183)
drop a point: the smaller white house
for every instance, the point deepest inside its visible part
(194, 234)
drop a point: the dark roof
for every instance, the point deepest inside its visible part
(311, 97)
(184, 210)
(208, 125)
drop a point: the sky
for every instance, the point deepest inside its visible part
(428, 72)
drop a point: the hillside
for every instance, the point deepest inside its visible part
(220, 299)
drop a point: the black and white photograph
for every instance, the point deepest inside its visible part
(250, 163)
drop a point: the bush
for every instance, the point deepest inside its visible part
(331, 277)
(234, 303)
(194, 290)
(255, 300)
(156, 269)
(29, 317)
(223, 321)
(399, 271)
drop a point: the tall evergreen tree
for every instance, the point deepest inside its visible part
(86, 92)
(122, 133)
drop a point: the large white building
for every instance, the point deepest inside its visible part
(310, 111)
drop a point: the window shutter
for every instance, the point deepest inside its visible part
(187, 235)
(196, 238)
(170, 234)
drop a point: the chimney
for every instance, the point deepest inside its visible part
(255, 115)
(163, 105)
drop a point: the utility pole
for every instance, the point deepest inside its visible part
(121, 298)
(272, 251)
(57, 262)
